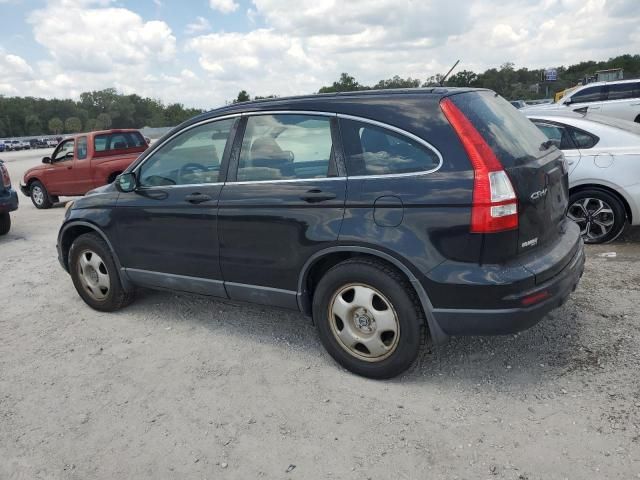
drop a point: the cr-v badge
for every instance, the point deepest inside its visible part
(539, 194)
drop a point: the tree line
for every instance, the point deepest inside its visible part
(97, 110)
(29, 116)
(508, 81)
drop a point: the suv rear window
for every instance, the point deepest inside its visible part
(512, 136)
(119, 141)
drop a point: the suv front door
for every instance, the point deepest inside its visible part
(283, 201)
(168, 226)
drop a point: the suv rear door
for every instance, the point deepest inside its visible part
(283, 201)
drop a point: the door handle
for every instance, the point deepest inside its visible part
(196, 198)
(316, 195)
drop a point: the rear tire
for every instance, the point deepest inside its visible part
(5, 223)
(39, 196)
(369, 318)
(95, 274)
(599, 214)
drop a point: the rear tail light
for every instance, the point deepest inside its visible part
(495, 204)
(6, 181)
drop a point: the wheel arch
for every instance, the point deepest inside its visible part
(322, 261)
(73, 230)
(606, 188)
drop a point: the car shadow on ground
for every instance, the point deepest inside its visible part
(548, 350)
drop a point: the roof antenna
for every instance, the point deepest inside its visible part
(442, 80)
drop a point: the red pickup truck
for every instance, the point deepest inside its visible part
(81, 163)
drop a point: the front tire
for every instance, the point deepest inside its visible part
(5, 223)
(39, 196)
(95, 274)
(599, 214)
(369, 318)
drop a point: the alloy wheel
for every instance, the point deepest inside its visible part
(37, 195)
(594, 216)
(364, 322)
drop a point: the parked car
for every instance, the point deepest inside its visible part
(619, 99)
(14, 145)
(82, 163)
(52, 142)
(8, 199)
(518, 103)
(2, 146)
(25, 145)
(387, 216)
(604, 171)
(38, 143)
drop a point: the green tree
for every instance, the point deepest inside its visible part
(103, 121)
(32, 125)
(55, 126)
(346, 83)
(90, 125)
(243, 96)
(397, 82)
(72, 125)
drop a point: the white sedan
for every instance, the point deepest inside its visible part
(603, 155)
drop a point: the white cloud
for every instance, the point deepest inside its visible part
(224, 6)
(200, 25)
(297, 46)
(16, 72)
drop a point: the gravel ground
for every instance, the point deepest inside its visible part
(186, 387)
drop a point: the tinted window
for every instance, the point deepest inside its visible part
(81, 150)
(618, 91)
(512, 137)
(557, 133)
(583, 139)
(192, 157)
(284, 147)
(373, 150)
(63, 150)
(119, 141)
(590, 94)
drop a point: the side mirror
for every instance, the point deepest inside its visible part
(126, 182)
(555, 142)
(46, 160)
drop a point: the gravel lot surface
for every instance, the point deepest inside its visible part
(183, 387)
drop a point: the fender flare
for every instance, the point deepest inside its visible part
(124, 280)
(438, 336)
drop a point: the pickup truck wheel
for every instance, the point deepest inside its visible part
(40, 196)
(369, 318)
(95, 274)
(5, 223)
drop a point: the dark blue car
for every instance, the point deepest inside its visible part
(8, 199)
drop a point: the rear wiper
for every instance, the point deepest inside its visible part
(547, 145)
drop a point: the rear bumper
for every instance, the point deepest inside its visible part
(8, 201)
(510, 320)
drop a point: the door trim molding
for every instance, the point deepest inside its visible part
(172, 281)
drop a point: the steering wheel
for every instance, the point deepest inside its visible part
(191, 168)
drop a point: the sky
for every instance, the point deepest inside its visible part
(202, 52)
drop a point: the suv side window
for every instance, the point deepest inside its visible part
(557, 133)
(285, 147)
(191, 158)
(81, 148)
(589, 94)
(583, 139)
(62, 151)
(373, 150)
(619, 91)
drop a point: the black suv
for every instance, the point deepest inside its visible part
(8, 199)
(390, 217)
